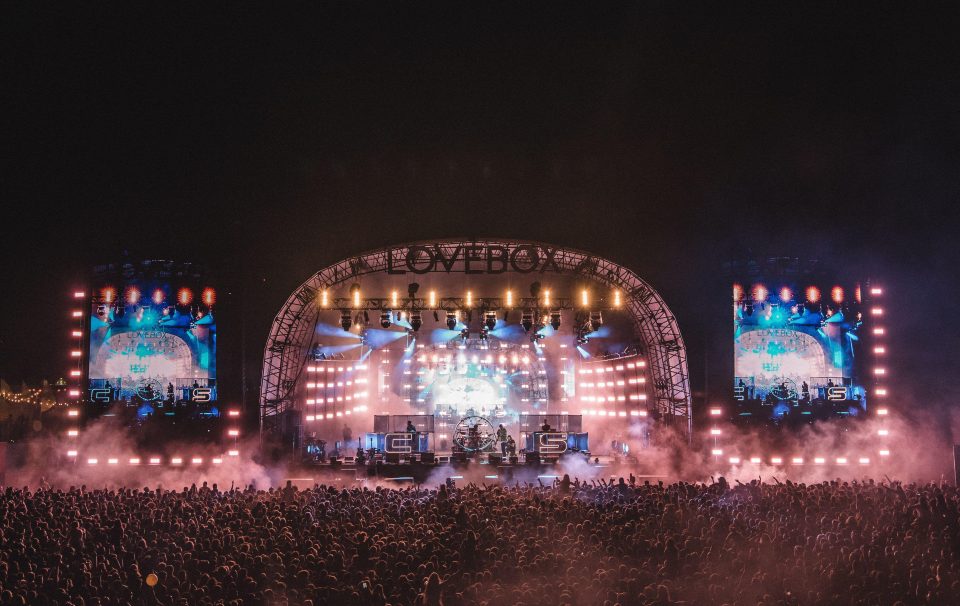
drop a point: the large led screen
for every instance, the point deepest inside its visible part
(796, 356)
(152, 342)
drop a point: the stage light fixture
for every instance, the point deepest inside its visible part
(555, 319)
(526, 320)
(483, 333)
(416, 321)
(464, 334)
(596, 321)
(385, 320)
(412, 289)
(490, 320)
(345, 320)
(451, 320)
(436, 316)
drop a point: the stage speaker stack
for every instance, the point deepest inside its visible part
(495, 459)
(428, 458)
(533, 458)
(393, 457)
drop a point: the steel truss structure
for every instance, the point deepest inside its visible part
(655, 326)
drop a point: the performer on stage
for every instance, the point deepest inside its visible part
(412, 430)
(511, 446)
(502, 438)
(546, 426)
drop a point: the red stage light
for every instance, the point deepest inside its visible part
(158, 297)
(184, 296)
(133, 295)
(786, 294)
(209, 297)
(836, 293)
(108, 294)
(759, 292)
(737, 292)
(813, 294)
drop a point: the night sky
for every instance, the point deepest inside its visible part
(666, 136)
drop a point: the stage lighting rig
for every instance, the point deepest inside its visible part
(385, 320)
(555, 319)
(416, 320)
(412, 289)
(526, 320)
(490, 320)
(464, 334)
(484, 332)
(596, 321)
(345, 320)
(451, 320)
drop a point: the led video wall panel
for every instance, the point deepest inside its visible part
(795, 351)
(152, 341)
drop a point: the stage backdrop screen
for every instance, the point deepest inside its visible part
(153, 342)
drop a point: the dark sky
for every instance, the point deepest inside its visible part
(666, 136)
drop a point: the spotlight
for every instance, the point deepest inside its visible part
(483, 333)
(416, 321)
(385, 321)
(582, 338)
(526, 320)
(555, 319)
(451, 320)
(596, 320)
(412, 289)
(490, 320)
(464, 334)
(345, 320)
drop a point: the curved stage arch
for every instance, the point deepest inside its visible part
(655, 328)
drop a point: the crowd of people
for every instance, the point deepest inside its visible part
(624, 542)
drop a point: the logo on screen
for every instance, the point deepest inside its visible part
(837, 393)
(201, 394)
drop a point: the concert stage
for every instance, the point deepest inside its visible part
(486, 334)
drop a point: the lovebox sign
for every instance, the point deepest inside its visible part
(472, 259)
